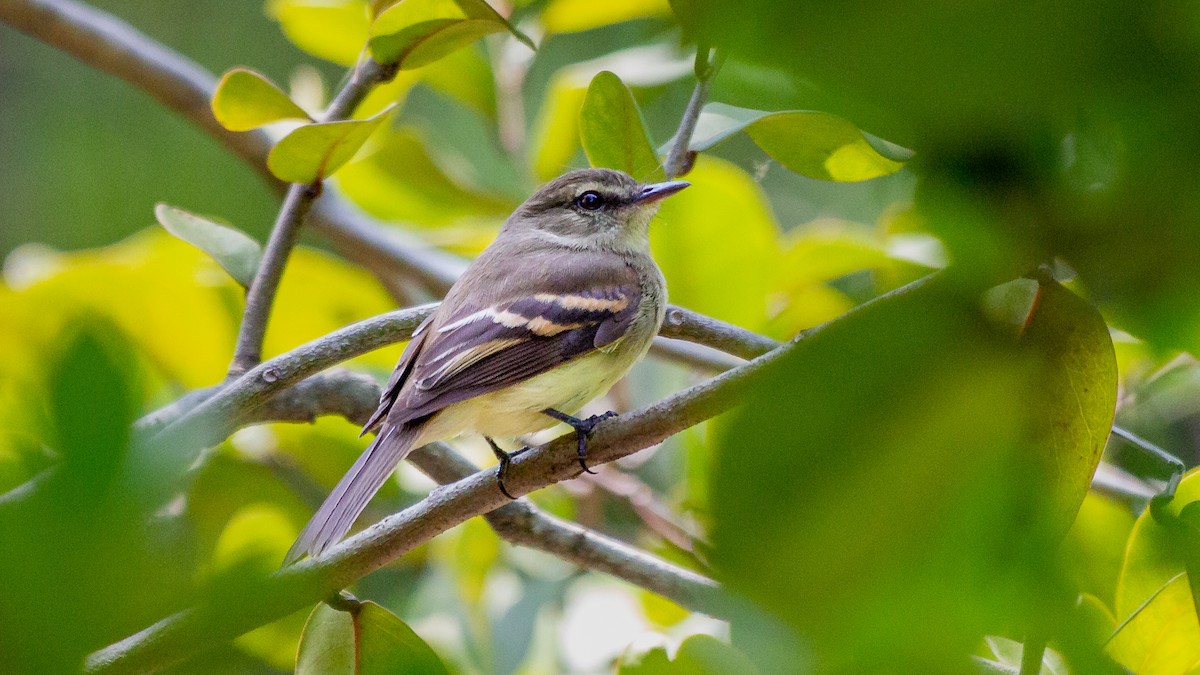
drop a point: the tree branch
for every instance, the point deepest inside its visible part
(354, 396)
(310, 580)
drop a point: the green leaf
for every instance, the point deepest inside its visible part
(315, 151)
(697, 655)
(1076, 398)
(418, 32)
(334, 30)
(814, 144)
(367, 641)
(1160, 632)
(247, 100)
(234, 251)
(902, 464)
(613, 132)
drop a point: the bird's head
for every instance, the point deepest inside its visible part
(593, 208)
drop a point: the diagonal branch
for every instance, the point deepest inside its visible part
(354, 396)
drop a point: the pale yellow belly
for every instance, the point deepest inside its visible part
(517, 410)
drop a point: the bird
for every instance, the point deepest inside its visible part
(547, 318)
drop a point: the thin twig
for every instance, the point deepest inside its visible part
(261, 294)
(678, 159)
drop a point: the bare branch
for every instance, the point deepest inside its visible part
(684, 324)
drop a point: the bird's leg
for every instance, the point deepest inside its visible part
(505, 460)
(583, 428)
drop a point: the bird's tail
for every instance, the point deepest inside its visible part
(352, 493)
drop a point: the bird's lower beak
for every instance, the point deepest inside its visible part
(655, 191)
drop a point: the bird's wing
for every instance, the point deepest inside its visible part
(484, 347)
(392, 389)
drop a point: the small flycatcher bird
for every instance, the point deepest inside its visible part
(547, 318)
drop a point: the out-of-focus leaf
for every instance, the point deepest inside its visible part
(465, 145)
(814, 144)
(472, 551)
(698, 654)
(399, 181)
(94, 398)
(842, 464)
(255, 538)
(613, 132)
(315, 151)
(1093, 619)
(717, 244)
(569, 16)
(247, 100)
(334, 30)
(367, 641)
(1095, 545)
(233, 250)
(417, 32)
(1160, 632)
(555, 138)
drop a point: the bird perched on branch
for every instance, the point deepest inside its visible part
(547, 318)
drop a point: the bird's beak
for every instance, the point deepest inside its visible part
(655, 191)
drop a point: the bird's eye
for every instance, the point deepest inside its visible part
(590, 200)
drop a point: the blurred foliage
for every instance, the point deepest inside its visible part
(908, 492)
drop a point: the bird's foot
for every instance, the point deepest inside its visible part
(505, 460)
(583, 428)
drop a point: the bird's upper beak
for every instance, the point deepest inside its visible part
(655, 191)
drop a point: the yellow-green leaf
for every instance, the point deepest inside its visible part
(814, 144)
(426, 42)
(368, 640)
(613, 132)
(334, 30)
(1159, 631)
(247, 100)
(233, 250)
(315, 151)
(730, 280)
(418, 32)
